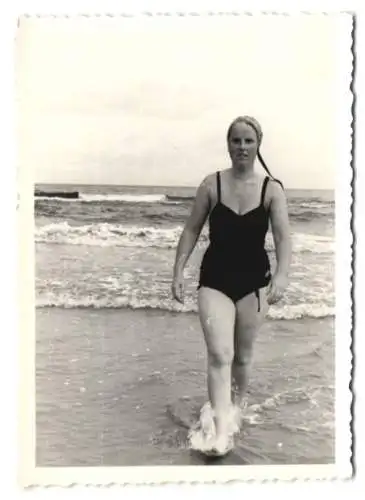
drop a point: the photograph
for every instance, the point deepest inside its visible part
(182, 177)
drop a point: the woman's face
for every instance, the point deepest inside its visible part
(242, 144)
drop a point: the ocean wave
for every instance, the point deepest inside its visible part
(55, 198)
(300, 215)
(171, 197)
(97, 198)
(129, 198)
(316, 204)
(313, 204)
(107, 234)
(68, 301)
(121, 197)
(104, 234)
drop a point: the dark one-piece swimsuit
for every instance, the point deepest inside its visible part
(236, 262)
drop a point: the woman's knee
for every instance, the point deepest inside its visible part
(243, 358)
(223, 357)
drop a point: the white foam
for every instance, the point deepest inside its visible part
(104, 234)
(107, 234)
(201, 435)
(92, 198)
(69, 301)
(315, 204)
(307, 242)
(131, 198)
(297, 311)
(56, 198)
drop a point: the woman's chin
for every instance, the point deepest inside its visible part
(241, 164)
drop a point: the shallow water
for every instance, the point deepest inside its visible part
(106, 250)
(123, 388)
(121, 367)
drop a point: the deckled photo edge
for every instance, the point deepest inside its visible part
(30, 475)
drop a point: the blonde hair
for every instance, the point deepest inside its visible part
(249, 120)
(253, 123)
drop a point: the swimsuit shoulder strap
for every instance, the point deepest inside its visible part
(218, 186)
(263, 191)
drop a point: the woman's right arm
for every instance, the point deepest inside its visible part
(190, 235)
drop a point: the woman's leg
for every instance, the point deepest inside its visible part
(217, 316)
(248, 322)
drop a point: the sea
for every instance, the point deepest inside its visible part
(114, 247)
(109, 254)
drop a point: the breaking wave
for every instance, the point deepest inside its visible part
(106, 234)
(68, 300)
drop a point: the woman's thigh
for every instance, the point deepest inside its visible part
(249, 320)
(217, 315)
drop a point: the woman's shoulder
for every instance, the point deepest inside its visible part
(209, 182)
(274, 184)
(274, 189)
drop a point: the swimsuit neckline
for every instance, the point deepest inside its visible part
(235, 213)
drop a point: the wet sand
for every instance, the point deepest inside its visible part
(121, 387)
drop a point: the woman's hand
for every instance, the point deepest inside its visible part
(276, 288)
(178, 288)
(190, 236)
(279, 219)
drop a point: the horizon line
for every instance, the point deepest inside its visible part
(156, 185)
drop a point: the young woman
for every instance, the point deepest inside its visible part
(236, 285)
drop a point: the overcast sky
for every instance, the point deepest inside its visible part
(148, 100)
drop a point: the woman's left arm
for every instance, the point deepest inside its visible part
(279, 218)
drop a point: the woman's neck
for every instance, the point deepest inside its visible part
(242, 173)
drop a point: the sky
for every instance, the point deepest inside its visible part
(148, 100)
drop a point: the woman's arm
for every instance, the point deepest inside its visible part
(279, 219)
(190, 235)
(193, 227)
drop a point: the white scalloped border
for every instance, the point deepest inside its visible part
(31, 475)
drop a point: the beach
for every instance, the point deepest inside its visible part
(121, 366)
(122, 387)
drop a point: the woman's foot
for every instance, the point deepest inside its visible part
(238, 410)
(241, 402)
(207, 420)
(221, 446)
